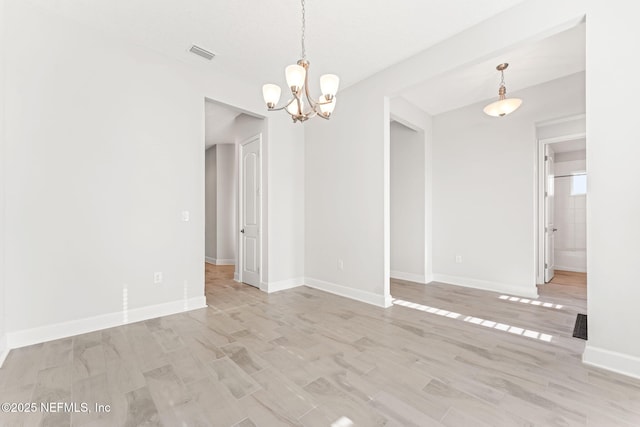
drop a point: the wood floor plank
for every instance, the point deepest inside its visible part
(441, 355)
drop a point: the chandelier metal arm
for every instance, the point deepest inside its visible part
(284, 106)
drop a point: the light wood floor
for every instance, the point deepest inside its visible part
(569, 278)
(440, 356)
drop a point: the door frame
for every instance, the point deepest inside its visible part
(240, 252)
(540, 222)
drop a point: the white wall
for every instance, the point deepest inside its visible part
(226, 204)
(3, 340)
(285, 211)
(210, 205)
(569, 210)
(104, 150)
(346, 161)
(407, 182)
(484, 189)
(283, 197)
(103, 140)
(570, 156)
(613, 231)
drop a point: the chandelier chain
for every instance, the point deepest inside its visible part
(501, 77)
(304, 25)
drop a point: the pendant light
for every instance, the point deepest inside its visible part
(504, 105)
(302, 106)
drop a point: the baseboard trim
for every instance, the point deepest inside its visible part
(4, 350)
(572, 269)
(222, 261)
(487, 285)
(411, 277)
(613, 361)
(90, 324)
(282, 285)
(355, 294)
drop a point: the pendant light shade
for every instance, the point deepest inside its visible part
(504, 105)
(329, 84)
(295, 77)
(328, 105)
(271, 94)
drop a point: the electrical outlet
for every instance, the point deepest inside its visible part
(458, 259)
(157, 277)
(185, 216)
(340, 264)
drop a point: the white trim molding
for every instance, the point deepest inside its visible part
(90, 324)
(612, 361)
(572, 269)
(487, 285)
(215, 261)
(282, 285)
(355, 294)
(411, 277)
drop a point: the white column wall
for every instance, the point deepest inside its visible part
(211, 208)
(3, 337)
(226, 216)
(613, 205)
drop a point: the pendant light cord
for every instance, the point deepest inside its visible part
(304, 25)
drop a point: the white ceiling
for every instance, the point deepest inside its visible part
(219, 121)
(549, 59)
(256, 39)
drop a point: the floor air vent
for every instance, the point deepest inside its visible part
(580, 330)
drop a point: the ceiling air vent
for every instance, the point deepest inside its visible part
(202, 52)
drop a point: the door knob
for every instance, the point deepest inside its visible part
(555, 229)
(242, 230)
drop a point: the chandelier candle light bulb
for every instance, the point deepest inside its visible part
(297, 77)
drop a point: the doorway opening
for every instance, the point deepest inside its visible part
(233, 196)
(562, 231)
(407, 202)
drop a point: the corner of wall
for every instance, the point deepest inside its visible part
(529, 292)
(55, 331)
(611, 361)
(4, 350)
(378, 300)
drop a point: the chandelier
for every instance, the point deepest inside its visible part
(302, 106)
(504, 105)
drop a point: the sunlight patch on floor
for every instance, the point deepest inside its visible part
(532, 302)
(476, 321)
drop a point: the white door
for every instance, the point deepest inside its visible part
(549, 268)
(250, 211)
